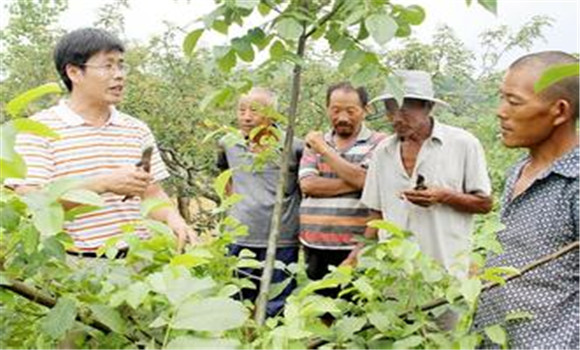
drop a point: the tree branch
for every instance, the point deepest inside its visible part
(443, 301)
(324, 19)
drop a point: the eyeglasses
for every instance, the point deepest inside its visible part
(409, 104)
(109, 68)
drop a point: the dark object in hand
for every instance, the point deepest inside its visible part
(420, 185)
(144, 163)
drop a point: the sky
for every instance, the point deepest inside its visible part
(145, 18)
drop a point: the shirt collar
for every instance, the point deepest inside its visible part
(438, 133)
(567, 165)
(71, 118)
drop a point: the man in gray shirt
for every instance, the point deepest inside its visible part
(255, 176)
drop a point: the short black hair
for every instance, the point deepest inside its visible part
(78, 46)
(363, 95)
(566, 88)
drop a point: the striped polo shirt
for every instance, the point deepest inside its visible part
(331, 222)
(84, 151)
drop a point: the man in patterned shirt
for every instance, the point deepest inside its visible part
(98, 145)
(332, 176)
(539, 209)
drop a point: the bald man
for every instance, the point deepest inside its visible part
(256, 178)
(539, 209)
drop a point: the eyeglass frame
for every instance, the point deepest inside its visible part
(109, 68)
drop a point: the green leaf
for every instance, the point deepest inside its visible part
(277, 50)
(277, 288)
(48, 219)
(109, 316)
(247, 4)
(380, 320)
(496, 334)
(82, 196)
(264, 9)
(189, 260)
(403, 31)
(4, 281)
(470, 289)
(366, 73)
(554, 74)
(220, 26)
(364, 286)
(7, 142)
(519, 315)
(158, 227)
(289, 28)
(394, 85)
(190, 41)
(347, 326)
(387, 226)
(216, 98)
(350, 58)
(409, 342)
(78, 210)
(60, 318)
(490, 5)
(136, 293)
(413, 15)
(55, 190)
(381, 27)
(149, 205)
(227, 62)
(219, 185)
(211, 314)
(15, 168)
(244, 49)
(191, 342)
(259, 38)
(30, 238)
(17, 105)
(29, 126)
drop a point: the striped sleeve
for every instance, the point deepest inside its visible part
(308, 164)
(37, 155)
(158, 169)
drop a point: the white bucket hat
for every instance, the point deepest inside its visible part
(415, 84)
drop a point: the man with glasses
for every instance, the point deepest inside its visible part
(428, 178)
(98, 145)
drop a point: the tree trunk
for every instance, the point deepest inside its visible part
(262, 300)
(183, 207)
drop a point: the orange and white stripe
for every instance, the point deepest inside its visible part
(84, 151)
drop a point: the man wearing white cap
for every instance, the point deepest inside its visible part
(428, 178)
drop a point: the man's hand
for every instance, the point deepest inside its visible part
(426, 198)
(183, 232)
(352, 258)
(128, 181)
(315, 140)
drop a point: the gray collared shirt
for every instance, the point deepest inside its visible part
(538, 222)
(258, 185)
(451, 158)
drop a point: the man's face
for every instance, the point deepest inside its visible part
(248, 112)
(101, 78)
(524, 116)
(409, 119)
(346, 112)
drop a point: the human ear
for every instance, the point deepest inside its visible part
(561, 111)
(74, 73)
